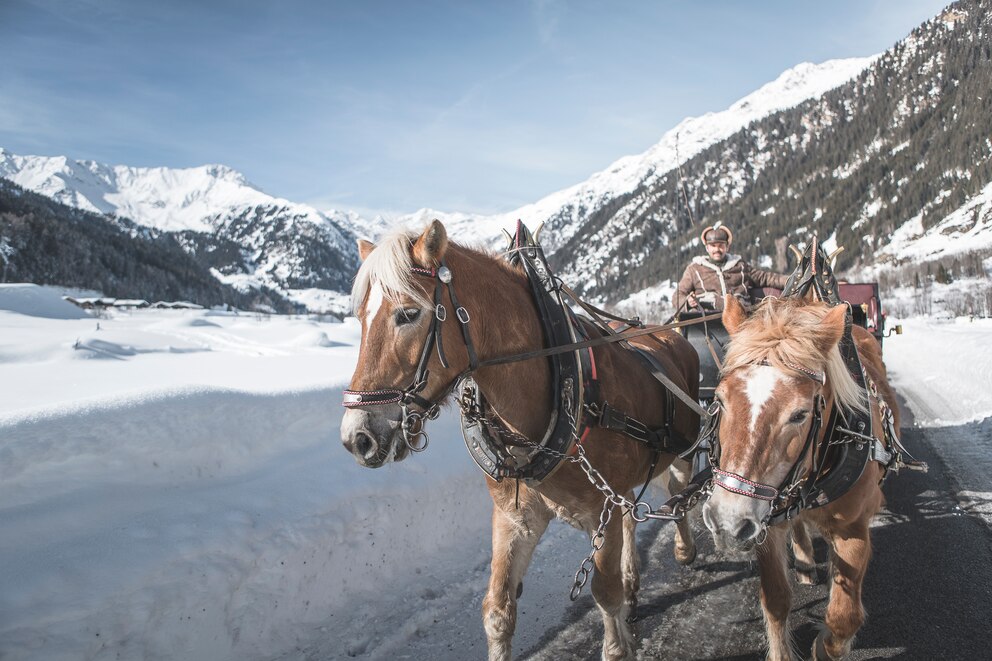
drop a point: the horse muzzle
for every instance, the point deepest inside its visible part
(735, 530)
(373, 440)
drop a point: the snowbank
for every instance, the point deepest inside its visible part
(35, 301)
(944, 369)
(197, 504)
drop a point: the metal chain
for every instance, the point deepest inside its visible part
(640, 511)
(597, 541)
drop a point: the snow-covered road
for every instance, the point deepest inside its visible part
(172, 485)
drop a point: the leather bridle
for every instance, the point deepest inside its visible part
(788, 498)
(413, 421)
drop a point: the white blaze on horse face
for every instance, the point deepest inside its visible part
(759, 385)
(372, 304)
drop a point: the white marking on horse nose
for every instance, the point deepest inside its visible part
(758, 387)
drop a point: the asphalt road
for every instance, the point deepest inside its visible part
(928, 592)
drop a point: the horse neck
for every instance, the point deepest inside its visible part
(505, 322)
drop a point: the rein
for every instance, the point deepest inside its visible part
(599, 341)
(413, 421)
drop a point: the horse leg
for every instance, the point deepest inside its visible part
(515, 535)
(679, 474)
(776, 593)
(609, 591)
(802, 549)
(845, 612)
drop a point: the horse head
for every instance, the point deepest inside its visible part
(782, 366)
(396, 296)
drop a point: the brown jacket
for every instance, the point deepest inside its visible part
(711, 282)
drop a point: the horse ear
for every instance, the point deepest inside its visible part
(733, 314)
(365, 248)
(831, 328)
(429, 248)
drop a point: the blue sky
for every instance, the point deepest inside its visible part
(393, 106)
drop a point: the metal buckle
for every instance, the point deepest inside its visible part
(462, 315)
(440, 312)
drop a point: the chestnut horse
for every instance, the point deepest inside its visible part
(392, 298)
(779, 363)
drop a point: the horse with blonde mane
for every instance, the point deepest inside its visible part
(498, 317)
(784, 371)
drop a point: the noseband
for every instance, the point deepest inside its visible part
(784, 497)
(413, 421)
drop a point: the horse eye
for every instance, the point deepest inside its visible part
(407, 316)
(798, 417)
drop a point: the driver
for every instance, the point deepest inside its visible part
(708, 279)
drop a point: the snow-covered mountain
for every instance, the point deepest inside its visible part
(904, 144)
(565, 211)
(852, 149)
(249, 237)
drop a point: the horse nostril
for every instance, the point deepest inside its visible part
(363, 443)
(746, 531)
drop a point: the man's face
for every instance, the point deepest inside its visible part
(717, 250)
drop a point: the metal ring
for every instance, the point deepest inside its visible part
(410, 419)
(412, 441)
(440, 312)
(634, 511)
(462, 314)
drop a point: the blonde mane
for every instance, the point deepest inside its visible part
(389, 267)
(783, 331)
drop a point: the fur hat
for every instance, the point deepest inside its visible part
(717, 232)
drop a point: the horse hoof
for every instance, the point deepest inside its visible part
(685, 557)
(820, 650)
(806, 576)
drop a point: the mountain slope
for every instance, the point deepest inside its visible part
(566, 211)
(46, 242)
(280, 244)
(871, 153)
(905, 142)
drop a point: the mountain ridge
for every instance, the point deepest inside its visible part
(816, 149)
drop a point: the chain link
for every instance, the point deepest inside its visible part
(640, 511)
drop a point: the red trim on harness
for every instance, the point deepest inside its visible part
(593, 378)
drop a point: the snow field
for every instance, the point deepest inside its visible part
(166, 502)
(172, 485)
